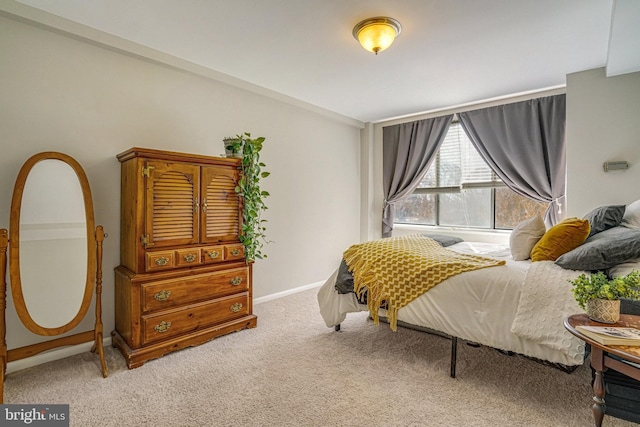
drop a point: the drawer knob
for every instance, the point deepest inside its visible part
(162, 260)
(189, 257)
(162, 295)
(236, 281)
(235, 252)
(162, 326)
(236, 307)
(213, 254)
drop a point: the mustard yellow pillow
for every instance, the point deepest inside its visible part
(561, 238)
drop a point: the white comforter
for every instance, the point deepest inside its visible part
(501, 307)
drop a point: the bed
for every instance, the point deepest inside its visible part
(515, 307)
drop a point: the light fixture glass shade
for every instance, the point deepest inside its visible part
(377, 34)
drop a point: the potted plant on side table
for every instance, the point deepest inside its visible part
(600, 296)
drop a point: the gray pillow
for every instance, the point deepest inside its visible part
(344, 281)
(443, 239)
(604, 218)
(603, 250)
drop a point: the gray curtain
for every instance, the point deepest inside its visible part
(407, 151)
(524, 144)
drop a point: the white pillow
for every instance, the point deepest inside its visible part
(625, 268)
(631, 217)
(525, 236)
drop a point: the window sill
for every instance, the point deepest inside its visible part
(500, 237)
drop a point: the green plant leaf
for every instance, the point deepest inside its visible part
(599, 286)
(248, 187)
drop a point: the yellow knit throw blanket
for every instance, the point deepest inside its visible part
(397, 270)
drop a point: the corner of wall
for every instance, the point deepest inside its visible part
(602, 125)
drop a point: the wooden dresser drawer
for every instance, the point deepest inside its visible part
(212, 254)
(164, 294)
(160, 260)
(233, 252)
(170, 323)
(220, 253)
(188, 257)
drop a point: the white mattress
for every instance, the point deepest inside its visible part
(478, 306)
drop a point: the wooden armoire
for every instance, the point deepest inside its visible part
(183, 278)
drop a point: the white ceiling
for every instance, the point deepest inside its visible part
(450, 52)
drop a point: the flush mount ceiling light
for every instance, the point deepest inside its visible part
(377, 34)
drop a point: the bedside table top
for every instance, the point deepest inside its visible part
(625, 352)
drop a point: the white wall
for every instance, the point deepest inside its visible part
(603, 123)
(60, 93)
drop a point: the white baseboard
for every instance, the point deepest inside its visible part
(61, 353)
(287, 292)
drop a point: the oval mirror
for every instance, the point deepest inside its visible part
(52, 252)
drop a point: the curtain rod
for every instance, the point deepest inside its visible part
(499, 100)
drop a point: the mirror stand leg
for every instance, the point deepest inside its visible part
(97, 346)
(2, 371)
(4, 243)
(99, 350)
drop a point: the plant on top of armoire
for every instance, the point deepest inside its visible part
(253, 235)
(233, 146)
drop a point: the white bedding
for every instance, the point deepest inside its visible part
(478, 306)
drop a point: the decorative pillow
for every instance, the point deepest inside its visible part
(444, 239)
(631, 218)
(603, 250)
(561, 238)
(625, 268)
(344, 281)
(604, 218)
(525, 236)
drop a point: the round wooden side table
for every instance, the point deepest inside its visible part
(601, 359)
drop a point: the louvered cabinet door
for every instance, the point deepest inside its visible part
(221, 209)
(172, 203)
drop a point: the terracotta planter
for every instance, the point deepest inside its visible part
(604, 310)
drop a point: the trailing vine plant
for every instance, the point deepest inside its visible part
(253, 235)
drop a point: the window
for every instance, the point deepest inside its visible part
(460, 190)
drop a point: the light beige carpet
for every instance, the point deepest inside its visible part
(293, 371)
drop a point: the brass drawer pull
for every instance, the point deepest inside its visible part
(213, 254)
(162, 295)
(162, 327)
(162, 261)
(236, 281)
(235, 252)
(236, 307)
(189, 257)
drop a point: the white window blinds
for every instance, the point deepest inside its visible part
(458, 165)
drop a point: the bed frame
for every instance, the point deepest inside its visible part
(454, 340)
(454, 348)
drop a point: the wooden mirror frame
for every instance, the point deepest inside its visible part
(95, 237)
(14, 251)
